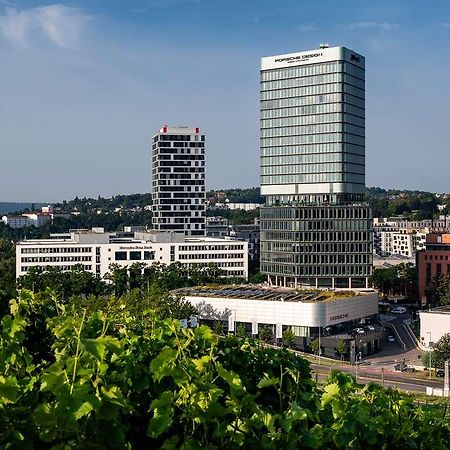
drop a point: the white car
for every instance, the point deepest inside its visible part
(398, 310)
(391, 339)
(370, 327)
(359, 330)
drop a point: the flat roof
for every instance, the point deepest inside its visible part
(439, 310)
(258, 293)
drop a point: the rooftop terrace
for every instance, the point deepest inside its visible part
(257, 293)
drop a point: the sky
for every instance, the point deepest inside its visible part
(85, 84)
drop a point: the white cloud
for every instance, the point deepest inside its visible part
(61, 25)
(445, 24)
(386, 26)
(306, 27)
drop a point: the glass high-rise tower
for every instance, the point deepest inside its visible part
(315, 229)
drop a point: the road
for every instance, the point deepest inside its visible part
(409, 382)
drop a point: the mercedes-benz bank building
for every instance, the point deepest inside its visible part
(315, 229)
(334, 315)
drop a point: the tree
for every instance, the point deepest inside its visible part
(289, 337)
(265, 333)
(315, 347)
(341, 348)
(241, 332)
(441, 352)
(440, 291)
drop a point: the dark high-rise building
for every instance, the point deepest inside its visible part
(178, 169)
(315, 229)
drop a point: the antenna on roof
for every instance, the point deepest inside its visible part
(324, 45)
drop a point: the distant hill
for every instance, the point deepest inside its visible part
(11, 207)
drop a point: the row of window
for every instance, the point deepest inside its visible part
(318, 148)
(134, 255)
(344, 225)
(335, 77)
(338, 177)
(323, 269)
(57, 250)
(211, 256)
(313, 139)
(358, 246)
(65, 267)
(304, 130)
(312, 168)
(309, 110)
(436, 257)
(311, 70)
(313, 90)
(312, 158)
(180, 137)
(33, 259)
(312, 120)
(329, 212)
(207, 248)
(313, 100)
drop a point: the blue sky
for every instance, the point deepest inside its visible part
(85, 84)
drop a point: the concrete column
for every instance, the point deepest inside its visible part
(317, 283)
(285, 282)
(332, 282)
(350, 282)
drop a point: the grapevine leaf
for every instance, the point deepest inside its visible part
(268, 381)
(233, 380)
(331, 391)
(162, 415)
(8, 390)
(84, 409)
(200, 364)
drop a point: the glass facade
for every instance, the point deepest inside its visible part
(313, 127)
(315, 230)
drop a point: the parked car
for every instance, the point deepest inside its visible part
(360, 330)
(370, 327)
(440, 372)
(398, 310)
(391, 338)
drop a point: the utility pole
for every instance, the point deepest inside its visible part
(429, 353)
(320, 348)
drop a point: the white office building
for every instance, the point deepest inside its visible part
(96, 251)
(309, 314)
(178, 185)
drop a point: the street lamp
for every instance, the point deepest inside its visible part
(358, 355)
(429, 353)
(320, 347)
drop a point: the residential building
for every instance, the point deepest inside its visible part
(217, 227)
(316, 231)
(433, 262)
(400, 236)
(243, 206)
(250, 233)
(16, 221)
(97, 250)
(178, 185)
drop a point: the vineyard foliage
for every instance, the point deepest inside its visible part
(75, 376)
